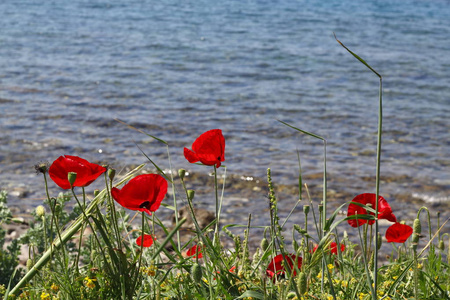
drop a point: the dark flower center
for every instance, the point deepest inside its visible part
(145, 204)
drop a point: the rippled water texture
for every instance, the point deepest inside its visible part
(178, 68)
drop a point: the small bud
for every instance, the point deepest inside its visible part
(441, 245)
(306, 209)
(181, 173)
(191, 194)
(291, 295)
(29, 264)
(72, 176)
(320, 208)
(295, 245)
(111, 174)
(96, 192)
(40, 211)
(379, 241)
(264, 244)
(41, 167)
(302, 283)
(415, 238)
(417, 227)
(196, 272)
(372, 261)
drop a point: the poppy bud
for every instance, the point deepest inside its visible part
(191, 194)
(306, 209)
(302, 283)
(181, 173)
(264, 244)
(320, 208)
(96, 192)
(415, 238)
(417, 227)
(196, 273)
(441, 245)
(72, 176)
(29, 264)
(111, 174)
(291, 295)
(40, 211)
(41, 167)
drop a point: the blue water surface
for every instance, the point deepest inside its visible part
(178, 68)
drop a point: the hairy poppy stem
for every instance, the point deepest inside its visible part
(216, 228)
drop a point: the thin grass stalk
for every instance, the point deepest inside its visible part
(174, 198)
(312, 209)
(377, 179)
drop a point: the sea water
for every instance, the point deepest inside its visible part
(175, 69)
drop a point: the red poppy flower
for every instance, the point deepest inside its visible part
(209, 149)
(384, 210)
(148, 240)
(195, 251)
(86, 171)
(398, 233)
(276, 266)
(333, 248)
(142, 193)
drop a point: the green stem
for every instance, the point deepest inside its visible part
(377, 183)
(216, 228)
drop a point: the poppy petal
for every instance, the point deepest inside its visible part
(190, 156)
(148, 240)
(398, 233)
(195, 251)
(208, 148)
(142, 193)
(384, 210)
(86, 172)
(276, 266)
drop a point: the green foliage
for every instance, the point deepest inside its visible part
(9, 274)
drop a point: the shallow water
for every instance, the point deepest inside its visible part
(175, 70)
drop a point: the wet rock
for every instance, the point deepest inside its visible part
(203, 217)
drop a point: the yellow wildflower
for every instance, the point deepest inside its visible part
(89, 282)
(361, 296)
(54, 287)
(330, 267)
(45, 296)
(344, 283)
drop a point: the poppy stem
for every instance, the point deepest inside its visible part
(54, 219)
(216, 228)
